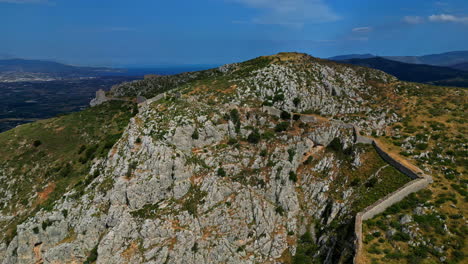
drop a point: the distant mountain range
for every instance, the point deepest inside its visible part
(12, 70)
(444, 59)
(352, 56)
(454, 59)
(22, 65)
(415, 72)
(461, 66)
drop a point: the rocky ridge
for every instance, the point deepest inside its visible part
(205, 174)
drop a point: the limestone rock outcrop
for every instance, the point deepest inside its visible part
(204, 174)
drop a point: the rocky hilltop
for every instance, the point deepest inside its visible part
(255, 162)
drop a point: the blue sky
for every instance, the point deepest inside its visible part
(159, 32)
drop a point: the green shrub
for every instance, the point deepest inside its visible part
(147, 211)
(195, 247)
(37, 143)
(221, 172)
(394, 255)
(421, 146)
(279, 210)
(192, 199)
(82, 148)
(429, 221)
(110, 141)
(254, 137)
(374, 250)
(278, 98)
(66, 170)
(89, 154)
(309, 160)
(267, 135)
(291, 153)
(241, 248)
(232, 141)
(285, 115)
(335, 145)
(296, 101)
(293, 176)
(92, 257)
(368, 238)
(400, 236)
(355, 182)
(458, 255)
(235, 116)
(283, 126)
(371, 182)
(46, 224)
(306, 249)
(195, 134)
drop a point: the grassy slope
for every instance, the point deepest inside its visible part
(434, 125)
(45, 159)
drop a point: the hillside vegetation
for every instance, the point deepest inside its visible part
(41, 161)
(430, 226)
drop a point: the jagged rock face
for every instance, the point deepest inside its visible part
(188, 183)
(196, 215)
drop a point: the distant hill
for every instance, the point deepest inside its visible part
(448, 59)
(352, 56)
(4, 56)
(415, 72)
(22, 65)
(460, 66)
(31, 70)
(442, 59)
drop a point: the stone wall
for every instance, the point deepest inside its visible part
(271, 111)
(101, 98)
(361, 139)
(146, 103)
(391, 199)
(400, 167)
(419, 182)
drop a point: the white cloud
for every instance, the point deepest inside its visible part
(413, 20)
(290, 12)
(362, 29)
(448, 18)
